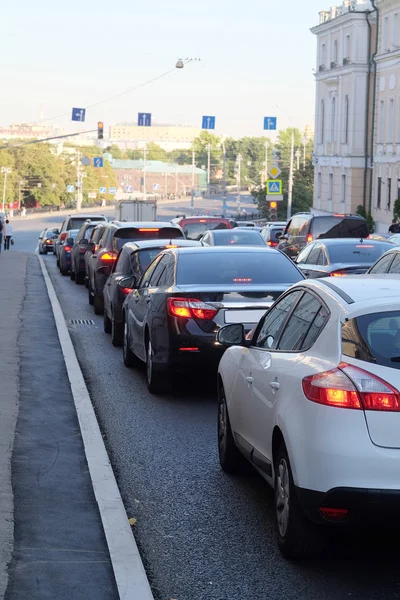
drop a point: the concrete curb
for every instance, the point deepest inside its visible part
(130, 575)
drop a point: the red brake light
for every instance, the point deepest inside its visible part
(203, 220)
(107, 257)
(337, 274)
(63, 236)
(334, 514)
(189, 308)
(96, 247)
(149, 229)
(309, 238)
(242, 280)
(67, 248)
(188, 349)
(272, 244)
(125, 291)
(171, 246)
(351, 387)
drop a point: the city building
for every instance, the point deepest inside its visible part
(29, 131)
(170, 137)
(344, 86)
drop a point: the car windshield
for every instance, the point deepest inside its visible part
(357, 252)
(227, 268)
(193, 231)
(233, 236)
(50, 234)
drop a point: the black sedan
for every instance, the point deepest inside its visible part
(336, 257)
(46, 240)
(187, 294)
(64, 257)
(227, 237)
(132, 262)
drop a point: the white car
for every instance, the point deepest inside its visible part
(312, 402)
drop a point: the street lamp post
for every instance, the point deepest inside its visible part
(290, 190)
(224, 177)
(208, 168)
(6, 171)
(238, 173)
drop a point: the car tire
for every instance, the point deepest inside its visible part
(90, 297)
(117, 333)
(79, 278)
(298, 537)
(230, 458)
(107, 323)
(130, 360)
(63, 271)
(98, 304)
(58, 262)
(40, 250)
(72, 275)
(157, 382)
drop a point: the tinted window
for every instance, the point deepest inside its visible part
(298, 225)
(146, 277)
(227, 268)
(334, 227)
(133, 234)
(395, 266)
(373, 338)
(158, 272)
(77, 222)
(146, 257)
(242, 238)
(308, 315)
(303, 256)
(357, 253)
(314, 255)
(269, 333)
(275, 233)
(193, 231)
(123, 263)
(96, 234)
(382, 265)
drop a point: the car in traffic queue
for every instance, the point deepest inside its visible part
(272, 233)
(92, 246)
(115, 235)
(173, 314)
(339, 257)
(73, 222)
(383, 237)
(389, 263)
(133, 260)
(394, 239)
(312, 402)
(46, 240)
(194, 227)
(65, 252)
(78, 265)
(304, 228)
(226, 237)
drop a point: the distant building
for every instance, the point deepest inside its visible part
(29, 131)
(170, 137)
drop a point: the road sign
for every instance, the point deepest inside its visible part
(270, 123)
(98, 161)
(274, 187)
(85, 160)
(92, 195)
(129, 189)
(156, 186)
(112, 190)
(274, 171)
(208, 122)
(70, 189)
(144, 119)
(103, 190)
(79, 114)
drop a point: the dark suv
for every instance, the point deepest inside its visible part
(73, 222)
(306, 227)
(78, 251)
(115, 235)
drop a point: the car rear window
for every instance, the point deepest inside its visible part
(193, 231)
(242, 238)
(221, 268)
(133, 234)
(357, 253)
(373, 338)
(276, 232)
(146, 257)
(338, 227)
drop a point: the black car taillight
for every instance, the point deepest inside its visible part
(189, 308)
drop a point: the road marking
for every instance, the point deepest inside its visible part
(130, 576)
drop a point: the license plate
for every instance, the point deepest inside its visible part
(244, 316)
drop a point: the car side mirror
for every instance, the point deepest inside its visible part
(70, 241)
(232, 335)
(129, 283)
(56, 231)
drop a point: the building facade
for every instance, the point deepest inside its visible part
(343, 93)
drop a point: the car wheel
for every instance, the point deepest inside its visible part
(130, 360)
(107, 323)
(117, 333)
(229, 456)
(40, 250)
(98, 304)
(90, 297)
(72, 275)
(86, 283)
(58, 262)
(157, 383)
(63, 271)
(298, 537)
(79, 277)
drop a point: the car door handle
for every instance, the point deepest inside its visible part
(249, 380)
(275, 385)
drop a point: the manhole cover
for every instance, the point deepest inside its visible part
(81, 322)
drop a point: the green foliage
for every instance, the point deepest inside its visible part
(396, 209)
(367, 216)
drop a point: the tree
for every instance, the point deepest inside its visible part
(155, 152)
(114, 151)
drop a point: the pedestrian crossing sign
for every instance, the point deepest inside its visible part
(274, 187)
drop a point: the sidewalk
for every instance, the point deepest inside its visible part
(52, 544)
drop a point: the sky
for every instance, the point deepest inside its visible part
(257, 59)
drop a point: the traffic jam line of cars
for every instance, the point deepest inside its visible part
(300, 325)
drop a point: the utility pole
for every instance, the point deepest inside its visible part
(176, 180)
(78, 182)
(266, 164)
(224, 177)
(208, 169)
(238, 175)
(304, 150)
(290, 190)
(298, 159)
(144, 170)
(6, 171)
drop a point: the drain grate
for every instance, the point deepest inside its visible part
(81, 322)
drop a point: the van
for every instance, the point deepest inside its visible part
(306, 227)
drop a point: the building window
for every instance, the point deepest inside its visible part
(346, 120)
(395, 30)
(381, 123)
(389, 193)
(330, 187)
(385, 33)
(390, 129)
(343, 189)
(347, 46)
(335, 51)
(322, 122)
(379, 198)
(333, 120)
(319, 185)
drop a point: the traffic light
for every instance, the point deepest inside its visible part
(100, 130)
(273, 211)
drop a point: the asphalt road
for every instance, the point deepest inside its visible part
(203, 535)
